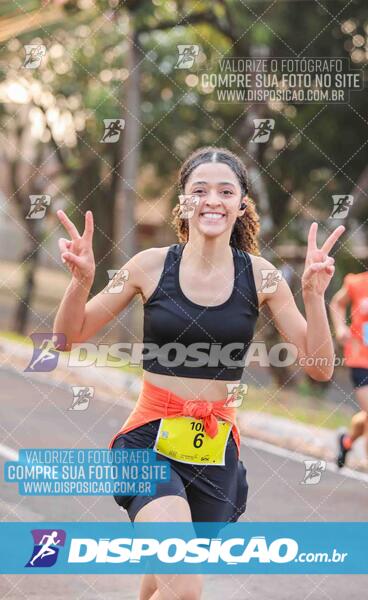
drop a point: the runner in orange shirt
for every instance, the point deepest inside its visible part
(354, 339)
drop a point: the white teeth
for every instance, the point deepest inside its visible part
(212, 215)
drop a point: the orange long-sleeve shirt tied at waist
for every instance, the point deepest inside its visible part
(155, 403)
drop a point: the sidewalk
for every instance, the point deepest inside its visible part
(114, 385)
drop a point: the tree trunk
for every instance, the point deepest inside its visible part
(125, 225)
(125, 229)
(30, 256)
(29, 262)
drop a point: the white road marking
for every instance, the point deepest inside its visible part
(297, 457)
(8, 453)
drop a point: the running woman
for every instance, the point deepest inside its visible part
(354, 339)
(202, 292)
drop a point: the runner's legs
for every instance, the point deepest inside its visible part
(168, 587)
(358, 422)
(362, 397)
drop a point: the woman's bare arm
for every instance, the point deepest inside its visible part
(338, 306)
(311, 336)
(77, 319)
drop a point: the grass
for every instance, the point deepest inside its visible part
(16, 337)
(291, 405)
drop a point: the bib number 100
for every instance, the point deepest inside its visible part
(198, 438)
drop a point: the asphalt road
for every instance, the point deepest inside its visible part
(34, 414)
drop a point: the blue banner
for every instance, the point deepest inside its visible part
(87, 472)
(228, 548)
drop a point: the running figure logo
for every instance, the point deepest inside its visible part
(236, 393)
(46, 547)
(187, 55)
(263, 128)
(313, 471)
(270, 280)
(113, 129)
(81, 397)
(117, 278)
(38, 206)
(187, 205)
(34, 54)
(45, 354)
(342, 204)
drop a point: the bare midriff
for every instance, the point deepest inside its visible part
(190, 387)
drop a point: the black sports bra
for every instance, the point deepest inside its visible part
(184, 339)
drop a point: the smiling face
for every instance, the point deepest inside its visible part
(219, 194)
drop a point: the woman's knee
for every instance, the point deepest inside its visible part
(172, 508)
(191, 589)
(148, 586)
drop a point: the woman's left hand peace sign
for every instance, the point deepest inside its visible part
(319, 267)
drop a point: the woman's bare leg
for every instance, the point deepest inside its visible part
(169, 587)
(358, 425)
(178, 589)
(148, 586)
(366, 437)
(362, 397)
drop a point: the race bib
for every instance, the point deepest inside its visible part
(365, 334)
(184, 439)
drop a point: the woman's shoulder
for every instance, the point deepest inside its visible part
(151, 257)
(146, 264)
(261, 270)
(259, 262)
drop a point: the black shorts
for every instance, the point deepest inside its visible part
(214, 493)
(359, 376)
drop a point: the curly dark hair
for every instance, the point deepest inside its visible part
(246, 228)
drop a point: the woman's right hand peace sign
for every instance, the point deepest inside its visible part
(77, 253)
